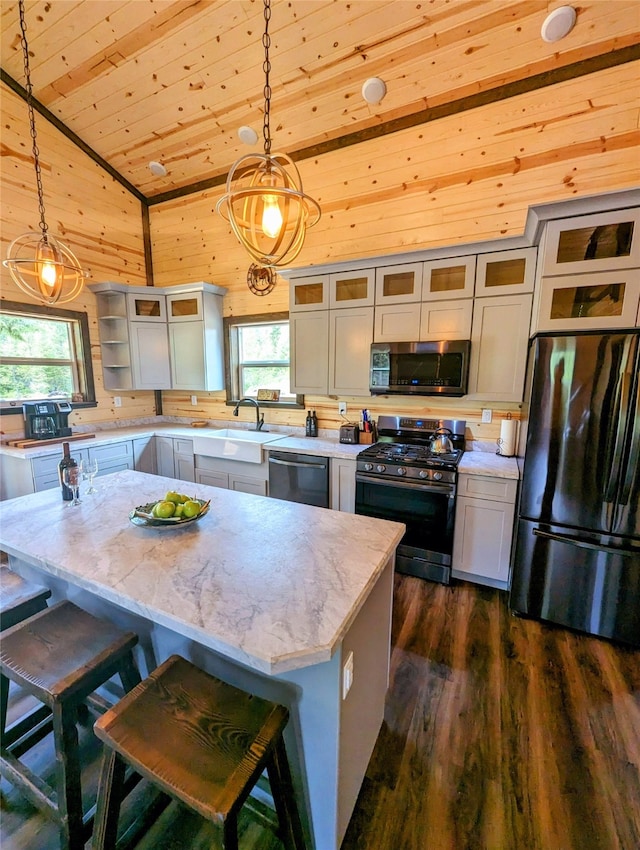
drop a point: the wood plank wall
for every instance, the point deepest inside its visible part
(456, 180)
(88, 210)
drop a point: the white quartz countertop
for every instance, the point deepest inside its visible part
(271, 584)
(488, 463)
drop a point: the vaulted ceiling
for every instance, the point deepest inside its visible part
(173, 80)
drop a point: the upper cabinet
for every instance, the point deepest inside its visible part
(169, 339)
(309, 293)
(590, 243)
(443, 280)
(399, 284)
(352, 289)
(506, 272)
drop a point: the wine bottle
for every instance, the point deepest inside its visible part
(66, 462)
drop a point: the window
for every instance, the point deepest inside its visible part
(44, 353)
(257, 357)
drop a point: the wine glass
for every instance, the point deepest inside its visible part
(89, 471)
(71, 477)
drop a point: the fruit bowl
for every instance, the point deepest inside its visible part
(141, 515)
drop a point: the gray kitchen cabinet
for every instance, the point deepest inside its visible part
(113, 329)
(175, 458)
(350, 338)
(196, 340)
(309, 293)
(499, 342)
(401, 284)
(485, 511)
(447, 279)
(233, 474)
(506, 272)
(343, 484)
(309, 351)
(144, 455)
(446, 319)
(111, 457)
(352, 289)
(149, 356)
(397, 322)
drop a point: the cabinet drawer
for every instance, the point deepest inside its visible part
(182, 446)
(487, 487)
(112, 453)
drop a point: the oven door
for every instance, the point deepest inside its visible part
(427, 510)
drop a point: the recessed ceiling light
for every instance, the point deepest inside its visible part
(158, 169)
(374, 89)
(558, 24)
(247, 135)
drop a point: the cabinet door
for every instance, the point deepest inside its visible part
(591, 243)
(247, 484)
(451, 278)
(309, 342)
(506, 272)
(186, 341)
(343, 485)
(397, 323)
(350, 338)
(352, 289)
(184, 468)
(499, 340)
(144, 455)
(147, 307)
(212, 479)
(399, 284)
(150, 356)
(164, 456)
(309, 293)
(482, 538)
(185, 308)
(446, 320)
(589, 301)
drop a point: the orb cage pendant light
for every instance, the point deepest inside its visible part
(265, 203)
(41, 266)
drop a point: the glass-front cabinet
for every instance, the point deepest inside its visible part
(145, 307)
(589, 301)
(309, 293)
(399, 284)
(184, 308)
(352, 289)
(506, 272)
(591, 243)
(450, 278)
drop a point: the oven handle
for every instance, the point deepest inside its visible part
(424, 486)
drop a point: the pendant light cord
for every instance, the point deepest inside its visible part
(32, 120)
(266, 67)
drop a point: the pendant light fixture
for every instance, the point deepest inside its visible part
(41, 265)
(265, 203)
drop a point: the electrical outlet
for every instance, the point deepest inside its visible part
(194, 400)
(117, 401)
(342, 408)
(347, 675)
(486, 415)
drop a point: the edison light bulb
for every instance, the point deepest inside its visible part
(271, 216)
(48, 268)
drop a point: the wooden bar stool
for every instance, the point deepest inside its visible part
(202, 742)
(60, 656)
(19, 598)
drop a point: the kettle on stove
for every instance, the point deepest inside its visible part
(441, 441)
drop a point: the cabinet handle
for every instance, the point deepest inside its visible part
(301, 465)
(584, 544)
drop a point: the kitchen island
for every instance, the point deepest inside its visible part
(271, 596)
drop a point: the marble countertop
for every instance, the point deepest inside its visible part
(271, 584)
(285, 439)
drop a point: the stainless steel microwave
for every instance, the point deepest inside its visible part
(420, 368)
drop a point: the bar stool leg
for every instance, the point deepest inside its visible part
(110, 792)
(68, 777)
(4, 702)
(284, 798)
(128, 672)
(230, 832)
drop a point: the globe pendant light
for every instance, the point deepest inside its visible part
(41, 266)
(265, 203)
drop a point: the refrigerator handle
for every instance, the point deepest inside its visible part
(611, 488)
(634, 454)
(584, 544)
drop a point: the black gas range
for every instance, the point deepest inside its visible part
(401, 478)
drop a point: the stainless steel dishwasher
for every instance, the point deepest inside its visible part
(299, 478)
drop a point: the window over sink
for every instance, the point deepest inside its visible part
(257, 356)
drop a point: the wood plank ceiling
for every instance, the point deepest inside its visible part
(173, 80)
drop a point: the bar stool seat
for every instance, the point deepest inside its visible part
(201, 741)
(60, 656)
(19, 598)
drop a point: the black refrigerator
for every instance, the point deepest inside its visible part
(576, 558)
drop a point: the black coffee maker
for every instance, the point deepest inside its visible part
(46, 420)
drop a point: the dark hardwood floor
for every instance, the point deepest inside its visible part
(500, 734)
